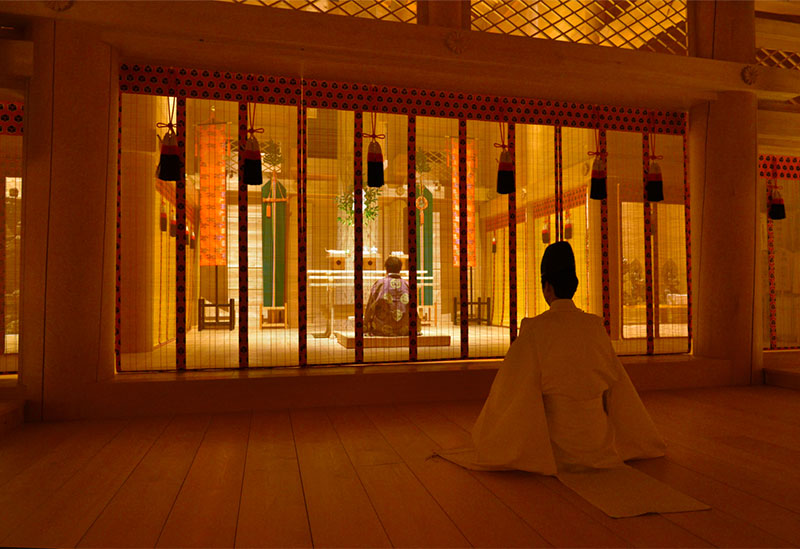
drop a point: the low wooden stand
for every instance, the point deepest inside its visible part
(427, 315)
(273, 317)
(216, 321)
(479, 311)
(348, 341)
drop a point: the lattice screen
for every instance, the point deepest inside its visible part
(652, 25)
(403, 11)
(779, 59)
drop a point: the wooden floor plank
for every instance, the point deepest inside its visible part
(23, 493)
(647, 531)
(775, 403)
(410, 516)
(776, 520)
(691, 443)
(481, 517)
(524, 492)
(66, 515)
(273, 510)
(23, 448)
(462, 413)
(339, 510)
(137, 513)
(205, 511)
(122, 484)
(718, 420)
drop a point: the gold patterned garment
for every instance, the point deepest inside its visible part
(387, 308)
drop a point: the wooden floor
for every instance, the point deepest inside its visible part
(360, 477)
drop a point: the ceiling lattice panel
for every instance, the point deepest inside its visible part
(778, 58)
(781, 60)
(403, 11)
(652, 25)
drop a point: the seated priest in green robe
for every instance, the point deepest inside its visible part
(387, 309)
(561, 400)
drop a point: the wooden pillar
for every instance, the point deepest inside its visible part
(724, 199)
(139, 156)
(38, 122)
(78, 339)
(721, 29)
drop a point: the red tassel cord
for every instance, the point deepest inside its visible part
(251, 154)
(598, 189)
(546, 230)
(506, 183)
(567, 226)
(655, 182)
(169, 162)
(374, 156)
(775, 206)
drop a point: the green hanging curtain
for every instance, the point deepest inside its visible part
(425, 243)
(273, 242)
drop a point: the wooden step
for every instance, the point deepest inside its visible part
(782, 377)
(11, 415)
(348, 340)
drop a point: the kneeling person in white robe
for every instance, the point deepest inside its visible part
(561, 400)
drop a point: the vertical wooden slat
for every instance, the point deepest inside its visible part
(687, 210)
(180, 242)
(302, 224)
(358, 216)
(412, 237)
(604, 244)
(3, 251)
(656, 267)
(773, 309)
(648, 252)
(118, 265)
(463, 256)
(512, 240)
(559, 196)
(244, 355)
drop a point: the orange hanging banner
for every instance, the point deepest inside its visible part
(212, 150)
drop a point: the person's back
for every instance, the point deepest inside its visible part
(574, 351)
(561, 400)
(387, 310)
(578, 367)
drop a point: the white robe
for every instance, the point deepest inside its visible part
(561, 401)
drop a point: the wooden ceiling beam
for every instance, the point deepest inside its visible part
(284, 42)
(783, 7)
(777, 35)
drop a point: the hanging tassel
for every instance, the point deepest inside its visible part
(655, 184)
(169, 161)
(654, 188)
(374, 156)
(567, 226)
(252, 162)
(494, 245)
(506, 183)
(163, 217)
(505, 174)
(598, 188)
(776, 208)
(546, 231)
(173, 224)
(374, 165)
(251, 155)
